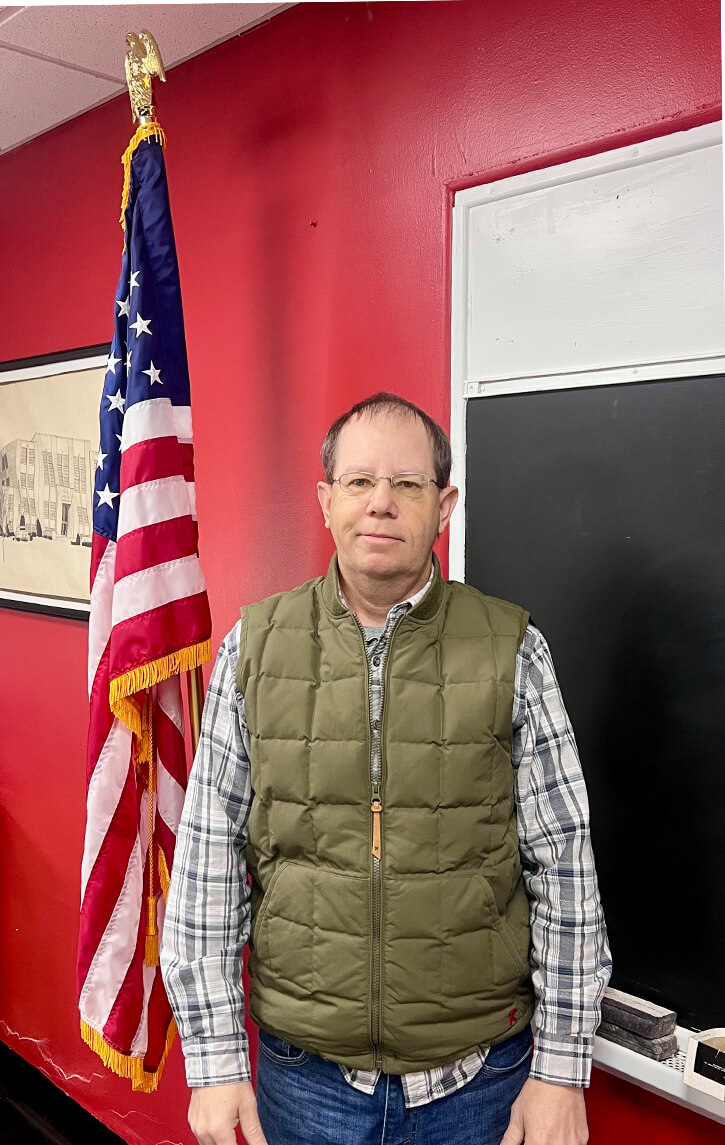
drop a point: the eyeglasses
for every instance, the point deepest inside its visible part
(407, 485)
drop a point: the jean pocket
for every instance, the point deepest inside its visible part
(509, 1055)
(279, 1051)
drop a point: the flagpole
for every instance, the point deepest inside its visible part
(143, 61)
(195, 685)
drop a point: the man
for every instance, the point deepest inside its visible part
(389, 757)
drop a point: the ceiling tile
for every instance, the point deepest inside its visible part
(93, 36)
(37, 95)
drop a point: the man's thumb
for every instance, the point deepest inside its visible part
(251, 1129)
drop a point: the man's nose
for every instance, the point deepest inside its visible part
(382, 498)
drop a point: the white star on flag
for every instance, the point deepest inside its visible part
(135, 275)
(105, 496)
(141, 325)
(154, 374)
(128, 360)
(112, 363)
(123, 306)
(101, 458)
(118, 435)
(116, 401)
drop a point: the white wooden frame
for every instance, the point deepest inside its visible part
(464, 387)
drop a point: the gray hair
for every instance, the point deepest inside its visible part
(385, 403)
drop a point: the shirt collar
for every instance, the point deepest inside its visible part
(410, 602)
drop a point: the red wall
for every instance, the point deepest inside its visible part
(311, 166)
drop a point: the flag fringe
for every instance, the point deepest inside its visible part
(125, 1065)
(123, 688)
(152, 130)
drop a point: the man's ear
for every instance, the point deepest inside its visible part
(448, 499)
(324, 496)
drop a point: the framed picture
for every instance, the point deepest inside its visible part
(48, 451)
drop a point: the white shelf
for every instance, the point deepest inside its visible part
(664, 1078)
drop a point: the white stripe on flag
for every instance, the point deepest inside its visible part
(104, 791)
(114, 952)
(151, 588)
(171, 797)
(153, 418)
(99, 622)
(153, 501)
(168, 697)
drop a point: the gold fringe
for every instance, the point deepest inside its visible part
(123, 1064)
(152, 130)
(128, 711)
(157, 670)
(123, 689)
(164, 876)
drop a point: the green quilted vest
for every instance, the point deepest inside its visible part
(413, 960)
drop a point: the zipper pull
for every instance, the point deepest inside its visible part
(376, 807)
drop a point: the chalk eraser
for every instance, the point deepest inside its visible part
(657, 1048)
(636, 1015)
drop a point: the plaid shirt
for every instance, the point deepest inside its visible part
(208, 919)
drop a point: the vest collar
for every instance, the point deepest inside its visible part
(424, 610)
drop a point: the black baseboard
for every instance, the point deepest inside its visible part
(33, 1111)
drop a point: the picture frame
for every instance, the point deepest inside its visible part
(49, 432)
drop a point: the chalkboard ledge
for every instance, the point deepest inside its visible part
(664, 1078)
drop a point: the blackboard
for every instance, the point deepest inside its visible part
(602, 510)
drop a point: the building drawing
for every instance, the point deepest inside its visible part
(46, 488)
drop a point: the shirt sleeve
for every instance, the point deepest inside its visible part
(570, 957)
(208, 912)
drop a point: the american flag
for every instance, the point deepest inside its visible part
(149, 620)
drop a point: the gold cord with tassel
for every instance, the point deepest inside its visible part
(152, 931)
(151, 130)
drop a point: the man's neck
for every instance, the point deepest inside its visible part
(371, 598)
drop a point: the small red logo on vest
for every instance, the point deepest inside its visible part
(513, 1016)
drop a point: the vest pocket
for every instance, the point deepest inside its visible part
(265, 905)
(508, 941)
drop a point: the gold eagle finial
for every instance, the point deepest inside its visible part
(143, 60)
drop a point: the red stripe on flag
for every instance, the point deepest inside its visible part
(101, 716)
(159, 1022)
(159, 632)
(99, 545)
(154, 459)
(156, 544)
(166, 838)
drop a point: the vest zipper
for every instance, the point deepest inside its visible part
(376, 809)
(376, 806)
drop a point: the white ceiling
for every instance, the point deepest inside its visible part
(58, 61)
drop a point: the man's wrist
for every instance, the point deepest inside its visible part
(562, 1059)
(216, 1061)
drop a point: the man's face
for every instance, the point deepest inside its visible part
(382, 534)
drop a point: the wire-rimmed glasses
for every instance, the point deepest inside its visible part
(407, 485)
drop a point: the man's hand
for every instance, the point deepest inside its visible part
(216, 1110)
(547, 1114)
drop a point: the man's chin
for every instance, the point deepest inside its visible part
(382, 564)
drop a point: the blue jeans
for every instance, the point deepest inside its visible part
(304, 1100)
